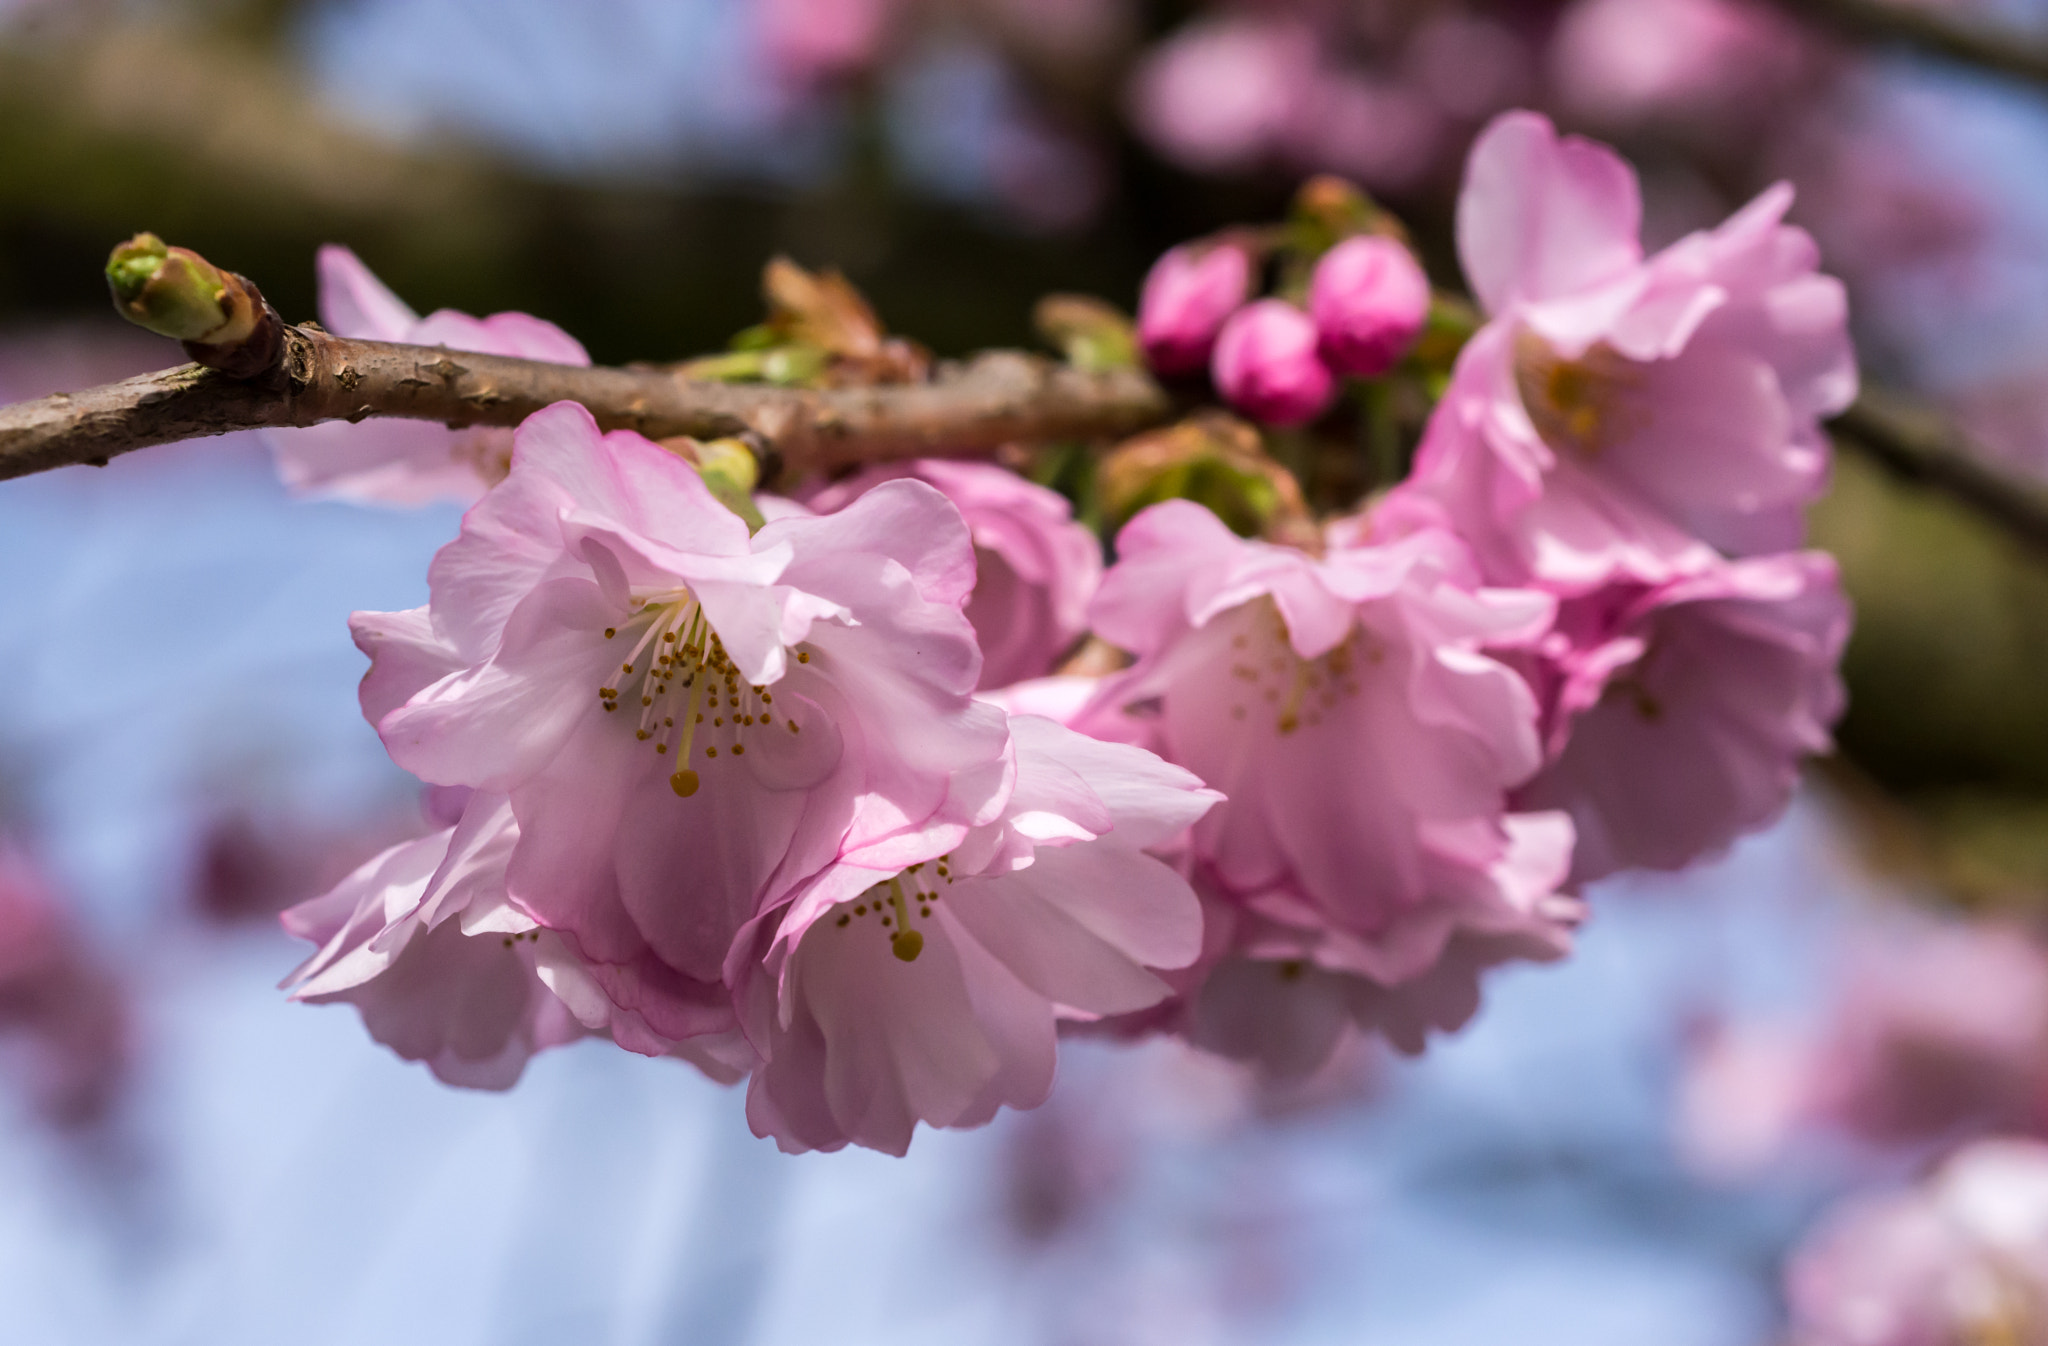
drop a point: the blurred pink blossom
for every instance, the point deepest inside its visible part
(1266, 364)
(1733, 671)
(400, 462)
(1962, 1258)
(932, 992)
(1189, 294)
(1937, 1031)
(66, 1010)
(808, 41)
(690, 722)
(1035, 568)
(1369, 299)
(1226, 95)
(1621, 62)
(1618, 415)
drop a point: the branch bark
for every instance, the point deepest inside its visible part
(999, 397)
(1987, 46)
(1920, 447)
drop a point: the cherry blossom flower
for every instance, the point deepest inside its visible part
(1266, 364)
(1366, 740)
(425, 941)
(1961, 1258)
(1369, 299)
(1623, 416)
(1189, 294)
(1035, 567)
(1734, 672)
(399, 462)
(932, 991)
(689, 722)
(422, 940)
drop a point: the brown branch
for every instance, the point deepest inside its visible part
(1987, 46)
(999, 397)
(1920, 447)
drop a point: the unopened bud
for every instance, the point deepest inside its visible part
(1369, 300)
(173, 292)
(728, 467)
(1190, 293)
(1266, 364)
(1213, 459)
(1091, 334)
(1333, 205)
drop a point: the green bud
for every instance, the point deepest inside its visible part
(1214, 460)
(173, 292)
(728, 467)
(1093, 335)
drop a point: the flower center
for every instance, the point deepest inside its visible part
(686, 689)
(891, 904)
(1271, 679)
(1581, 404)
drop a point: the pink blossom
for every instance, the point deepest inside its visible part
(1620, 62)
(1369, 300)
(1678, 714)
(1620, 415)
(1225, 95)
(58, 999)
(1271, 1001)
(1266, 364)
(1188, 295)
(1938, 1030)
(1348, 709)
(690, 722)
(426, 942)
(423, 941)
(1035, 568)
(807, 41)
(1941, 1028)
(931, 992)
(1963, 1257)
(397, 462)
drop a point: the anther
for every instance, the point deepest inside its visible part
(711, 752)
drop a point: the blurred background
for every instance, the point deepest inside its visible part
(1620, 1150)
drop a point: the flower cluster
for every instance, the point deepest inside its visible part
(799, 803)
(1366, 304)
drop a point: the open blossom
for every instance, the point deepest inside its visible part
(1623, 416)
(1369, 299)
(1035, 567)
(689, 722)
(1365, 739)
(399, 462)
(1679, 713)
(931, 991)
(1960, 1259)
(422, 940)
(1266, 364)
(1188, 295)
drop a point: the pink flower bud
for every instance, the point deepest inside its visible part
(1369, 299)
(1187, 298)
(1266, 364)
